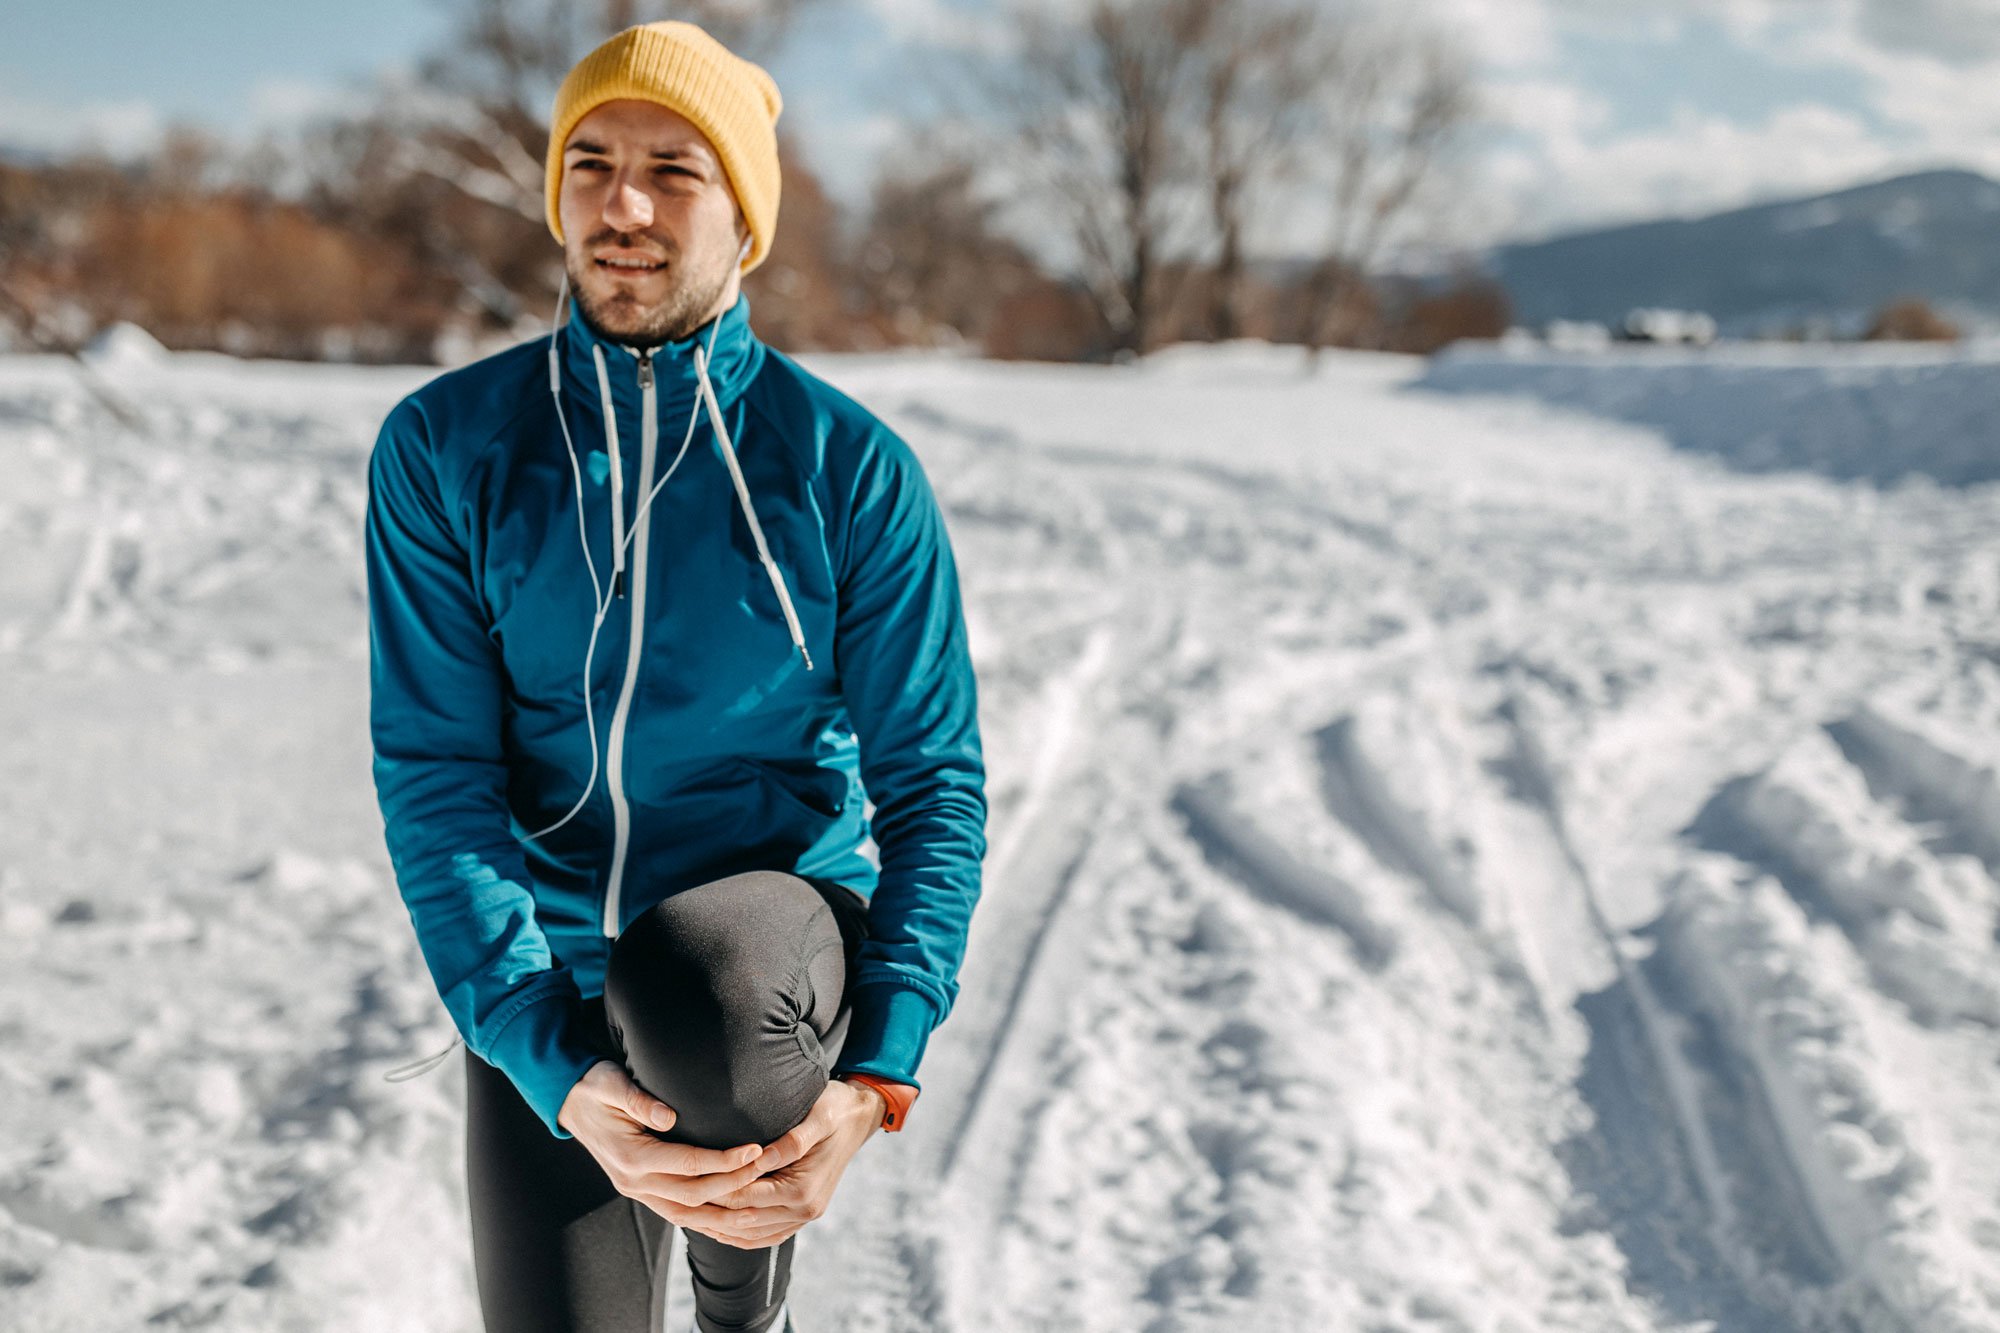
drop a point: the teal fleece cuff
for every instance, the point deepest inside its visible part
(539, 1050)
(887, 1031)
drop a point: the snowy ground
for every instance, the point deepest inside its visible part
(1456, 866)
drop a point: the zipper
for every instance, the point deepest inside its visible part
(614, 761)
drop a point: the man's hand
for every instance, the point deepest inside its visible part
(796, 1173)
(613, 1117)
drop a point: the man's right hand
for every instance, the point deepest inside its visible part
(614, 1118)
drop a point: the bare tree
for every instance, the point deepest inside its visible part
(1096, 111)
(1262, 70)
(931, 261)
(1393, 101)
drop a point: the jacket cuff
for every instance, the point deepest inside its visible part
(887, 1032)
(540, 1051)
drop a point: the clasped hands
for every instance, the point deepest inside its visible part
(751, 1196)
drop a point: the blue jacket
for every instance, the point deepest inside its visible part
(728, 753)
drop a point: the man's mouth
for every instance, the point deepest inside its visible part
(622, 265)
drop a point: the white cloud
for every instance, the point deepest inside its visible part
(280, 104)
(847, 153)
(120, 129)
(1546, 109)
(940, 23)
(132, 128)
(1697, 163)
(1503, 35)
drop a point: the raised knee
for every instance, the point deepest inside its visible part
(716, 928)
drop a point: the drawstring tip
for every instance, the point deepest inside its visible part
(403, 1073)
(808, 656)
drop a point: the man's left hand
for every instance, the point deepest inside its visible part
(797, 1172)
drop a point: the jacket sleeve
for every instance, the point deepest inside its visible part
(435, 707)
(906, 673)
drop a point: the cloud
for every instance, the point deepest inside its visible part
(939, 23)
(134, 127)
(119, 129)
(283, 104)
(1697, 163)
(846, 152)
(1954, 31)
(1546, 109)
(1501, 34)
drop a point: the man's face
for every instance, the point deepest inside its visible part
(651, 230)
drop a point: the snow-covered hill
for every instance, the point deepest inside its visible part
(1456, 865)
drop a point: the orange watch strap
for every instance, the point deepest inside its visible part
(898, 1095)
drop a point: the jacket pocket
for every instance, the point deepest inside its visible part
(821, 792)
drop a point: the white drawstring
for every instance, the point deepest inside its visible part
(743, 498)
(424, 1066)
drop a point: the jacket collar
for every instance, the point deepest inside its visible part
(735, 358)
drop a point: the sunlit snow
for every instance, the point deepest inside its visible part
(1463, 859)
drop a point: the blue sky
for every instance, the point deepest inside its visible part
(1596, 110)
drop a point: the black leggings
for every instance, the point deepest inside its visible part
(728, 1002)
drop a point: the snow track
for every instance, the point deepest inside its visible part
(1455, 867)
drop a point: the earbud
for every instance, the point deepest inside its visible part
(744, 253)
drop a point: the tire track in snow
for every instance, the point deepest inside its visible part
(1271, 872)
(1029, 880)
(1356, 796)
(1039, 827)
(1795, 1258)
(1936, 784)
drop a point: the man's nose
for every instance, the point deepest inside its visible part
(627, 208)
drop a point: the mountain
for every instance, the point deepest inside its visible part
(1831, 259)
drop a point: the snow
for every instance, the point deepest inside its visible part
(1463, 857)
(124, 346)
(1879, 412)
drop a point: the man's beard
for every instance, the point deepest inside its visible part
(684, 310)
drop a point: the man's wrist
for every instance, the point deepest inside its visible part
(875, 1101)
(895, 1097)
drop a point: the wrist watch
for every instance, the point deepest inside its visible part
(898, 1095)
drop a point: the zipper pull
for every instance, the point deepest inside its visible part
(646, 369)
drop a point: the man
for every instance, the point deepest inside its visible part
(626, 710)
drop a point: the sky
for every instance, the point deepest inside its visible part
(1594, 111)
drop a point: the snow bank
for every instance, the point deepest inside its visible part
(125, 346)
(1875, 414)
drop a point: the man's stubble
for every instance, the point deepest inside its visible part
(686, 307)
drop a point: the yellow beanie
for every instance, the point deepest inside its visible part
(729, 99)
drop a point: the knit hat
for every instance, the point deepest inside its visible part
(729, 99)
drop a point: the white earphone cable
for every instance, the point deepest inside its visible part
(600, 603)
(601, 598)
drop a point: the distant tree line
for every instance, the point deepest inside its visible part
(1151, 136)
